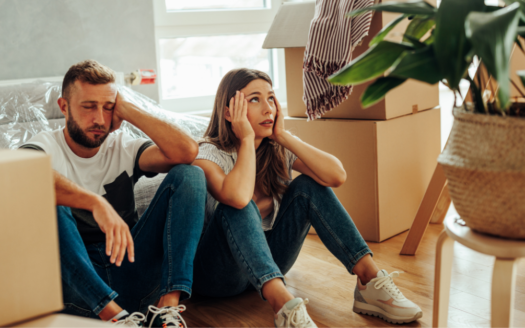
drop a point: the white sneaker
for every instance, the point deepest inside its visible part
(136, 319)
(381, 298)
(293, 314)
(168, 316)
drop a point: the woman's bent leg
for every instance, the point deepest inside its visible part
(233, 253)
(308, 203)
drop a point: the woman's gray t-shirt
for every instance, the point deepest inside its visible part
(226, 161)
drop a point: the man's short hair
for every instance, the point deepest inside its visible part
(87, 71)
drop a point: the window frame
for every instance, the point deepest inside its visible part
(210, 23)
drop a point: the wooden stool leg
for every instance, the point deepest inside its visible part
(424, 213)
(503, 283)
(442, 276)
(442, 207)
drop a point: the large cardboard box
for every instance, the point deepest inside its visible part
(388, 164)
(289, 30)
(30, 283)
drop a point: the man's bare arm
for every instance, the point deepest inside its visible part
(172, 145)
(118, 236)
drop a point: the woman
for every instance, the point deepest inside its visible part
(257, 218)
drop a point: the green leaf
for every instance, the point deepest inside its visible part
(489, 9)
(522, 9)
(493, 36)
(450, 44)
(521, 74)
(430, 39)
(510, 2)
(384, 32)
(371, 64)
(419, 26)
(418, 7)
(521, 31)
(415, 42)
(377, 90)
(419, 65)
(518, 43)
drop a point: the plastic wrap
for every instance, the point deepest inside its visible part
(29, 108)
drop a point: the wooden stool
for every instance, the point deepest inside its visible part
(507, 253)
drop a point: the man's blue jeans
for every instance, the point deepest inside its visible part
(235, 254)
(165, 238)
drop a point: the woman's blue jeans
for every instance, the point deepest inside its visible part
(235, 254)
(165, 238)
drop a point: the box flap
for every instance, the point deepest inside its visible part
(290, 26)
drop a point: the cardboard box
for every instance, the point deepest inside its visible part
(30, 283)
(290, 29)
(388, 164)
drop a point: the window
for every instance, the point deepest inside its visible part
(198, 41)
(194, 66)
(180, 5)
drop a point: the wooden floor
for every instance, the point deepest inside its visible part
(318, 276)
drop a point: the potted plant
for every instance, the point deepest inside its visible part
(484, 160)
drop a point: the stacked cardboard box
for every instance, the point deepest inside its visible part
(389, 151)
(30, 283)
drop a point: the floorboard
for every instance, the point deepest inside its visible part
(320, 277)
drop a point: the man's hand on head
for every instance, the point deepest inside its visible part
(119, 112)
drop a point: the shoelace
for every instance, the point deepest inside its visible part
(171, 315)
(388, 283)
(136, 318)
(297, 316)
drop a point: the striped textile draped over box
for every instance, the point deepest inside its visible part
(331, 40)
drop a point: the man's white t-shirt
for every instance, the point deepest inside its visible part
(111, 173)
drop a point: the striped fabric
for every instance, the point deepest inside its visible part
(331, 40)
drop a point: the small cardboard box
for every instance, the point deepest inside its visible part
(30, 283)
(388, 164)
(290, 29)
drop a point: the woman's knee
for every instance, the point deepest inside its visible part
(305, 183)
(249, 212)
(247, 219)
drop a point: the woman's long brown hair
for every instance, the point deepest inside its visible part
(270, 158)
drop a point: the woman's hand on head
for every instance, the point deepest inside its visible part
(278, 126)
(239, 117)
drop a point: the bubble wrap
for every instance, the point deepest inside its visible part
(29, 108)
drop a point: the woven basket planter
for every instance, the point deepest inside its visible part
(484, 162)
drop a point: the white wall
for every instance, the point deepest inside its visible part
(40, 38)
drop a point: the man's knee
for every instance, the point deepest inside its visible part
(65, 216)
(188, 175)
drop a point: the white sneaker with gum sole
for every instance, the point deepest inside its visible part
(293, 314)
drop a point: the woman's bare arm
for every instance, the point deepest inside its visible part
(236, 188)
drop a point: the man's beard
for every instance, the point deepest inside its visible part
(78, 135)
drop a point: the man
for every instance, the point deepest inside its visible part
(94, 172)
